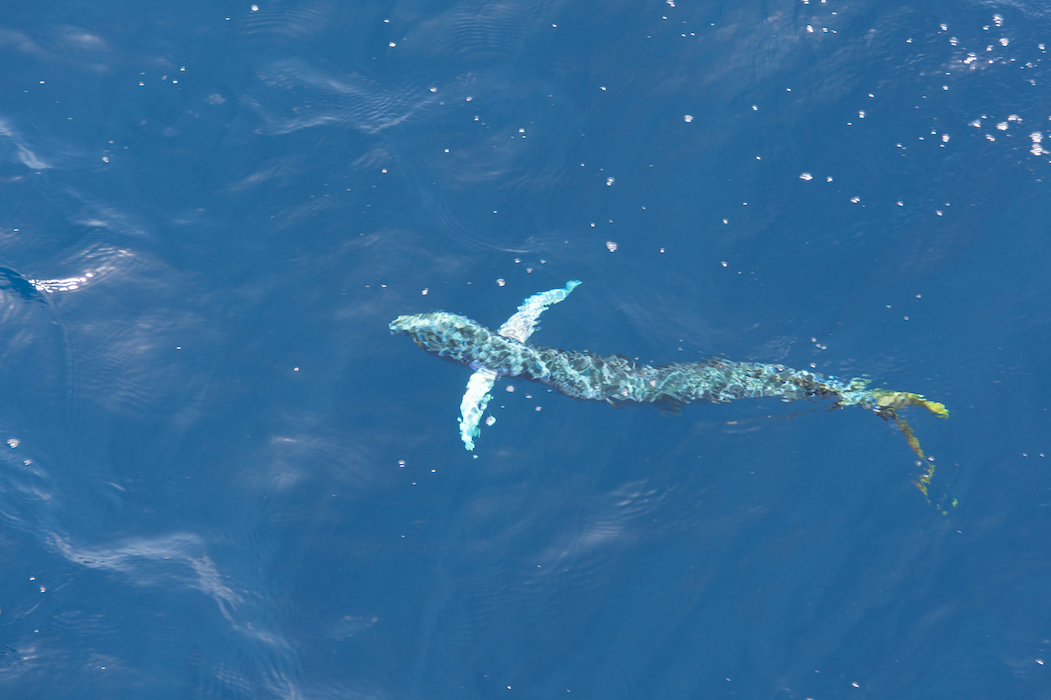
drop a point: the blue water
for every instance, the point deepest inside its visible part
(224, 478)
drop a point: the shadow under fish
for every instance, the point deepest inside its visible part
(18, 285)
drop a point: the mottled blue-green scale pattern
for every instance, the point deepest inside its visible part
(586, 375)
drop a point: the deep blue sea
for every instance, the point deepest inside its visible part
(223, 477)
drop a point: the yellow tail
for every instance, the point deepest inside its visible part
(887, 405)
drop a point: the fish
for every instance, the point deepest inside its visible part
(618, 380)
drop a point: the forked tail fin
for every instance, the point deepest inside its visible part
(887, 404)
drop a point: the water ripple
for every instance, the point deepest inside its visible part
(316, 98)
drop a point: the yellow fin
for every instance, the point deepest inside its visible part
(901, 399)
(886, 406)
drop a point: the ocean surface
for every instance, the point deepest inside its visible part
(223, 477)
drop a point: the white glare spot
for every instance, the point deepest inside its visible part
(806, 176)
(1037, 149)
(61, 285)
(687, 118)
(612, 246)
